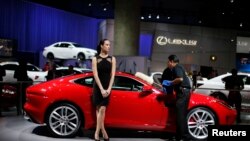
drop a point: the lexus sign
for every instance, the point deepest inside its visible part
(163, 40)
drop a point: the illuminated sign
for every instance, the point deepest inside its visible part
(162, 40)
(242, 43)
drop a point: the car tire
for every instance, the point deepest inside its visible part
(198, 120)
(81, 57)
(220, 95)
(63, 120)
(50, 56)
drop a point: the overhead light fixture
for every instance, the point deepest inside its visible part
(169, 17)
(149, 16)
(90, 4)
(232, 1)
(158, 16)
(199, 21)
(104, 9)
(213, 58)
(142, 17)
(241, 24)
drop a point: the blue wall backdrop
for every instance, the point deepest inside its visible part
(146, 42)
(35, 26)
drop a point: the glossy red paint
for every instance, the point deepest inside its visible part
(130, 109)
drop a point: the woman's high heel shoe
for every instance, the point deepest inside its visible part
(97, 139)
(106, 139)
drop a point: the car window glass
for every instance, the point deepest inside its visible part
(57, 45)
(126, 84)
(10, 67)
(157, 78)
(32, 68)
(247, 82)
(77, 45)
(64, 45)
(88, 81)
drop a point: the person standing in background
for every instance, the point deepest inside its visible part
(2, 74)
(22, 79)
(234, 84)
(103, 67)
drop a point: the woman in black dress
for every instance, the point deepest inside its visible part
(103, 67)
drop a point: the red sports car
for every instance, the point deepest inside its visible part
(64, 104)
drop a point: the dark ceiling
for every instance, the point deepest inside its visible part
(229, 14)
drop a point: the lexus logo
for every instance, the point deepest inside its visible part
(162, 40)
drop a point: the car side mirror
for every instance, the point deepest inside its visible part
(146, 90)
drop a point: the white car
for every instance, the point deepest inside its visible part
(156, 76)
(68, 50)
(216, 88)
(34, 72)
(77, 70)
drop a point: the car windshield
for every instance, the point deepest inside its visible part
(77, 45)
(32, 68)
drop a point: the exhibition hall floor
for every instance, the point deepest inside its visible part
(17, 128)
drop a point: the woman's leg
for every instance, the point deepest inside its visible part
(98, 123)
(104, 132)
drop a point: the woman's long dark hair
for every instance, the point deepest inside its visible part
(99, 46)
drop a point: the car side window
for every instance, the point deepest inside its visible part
(88, 81)
(157, 78)
(10, 67)
(126, 84)
(32, 68)
(57, 45)
(64, 45)
(247, 82)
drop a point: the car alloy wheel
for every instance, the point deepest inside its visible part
(81, 56)
(64, 120)
(50, 56)
(198, 120)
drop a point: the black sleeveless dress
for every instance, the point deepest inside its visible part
(104, 67)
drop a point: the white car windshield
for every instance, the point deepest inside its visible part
(77, 45)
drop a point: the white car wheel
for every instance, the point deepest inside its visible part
(50, 56)
(63, 120)
(81, 57)
(198, 120)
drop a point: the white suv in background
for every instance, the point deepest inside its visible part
(216, 87)
(34, 72)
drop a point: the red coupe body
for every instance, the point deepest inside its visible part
(65, 104)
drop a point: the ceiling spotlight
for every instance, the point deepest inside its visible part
(232, 1)
(169, 17)
(232, 40)
(104, 9)
(199, 21)
(241, 24)
(158, 17)
(223, 13)
(149, 16)
(142, 17)
(90, 4)
(213, 58)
